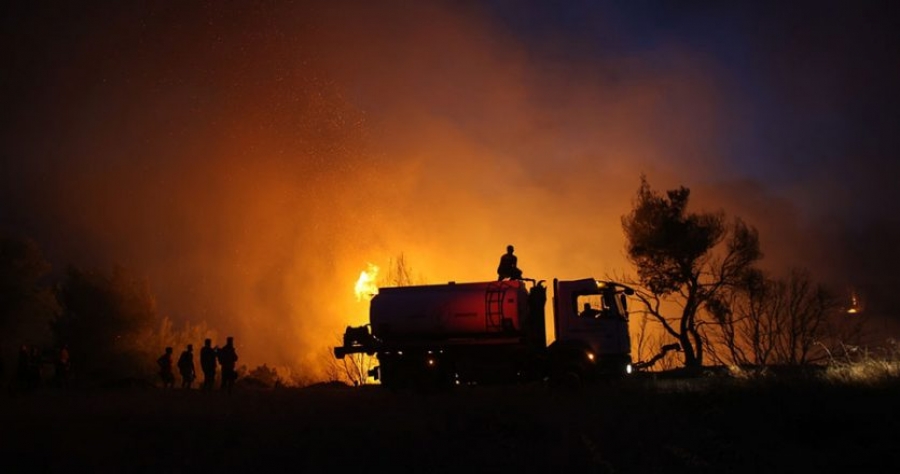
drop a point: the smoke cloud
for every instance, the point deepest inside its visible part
(252, 160)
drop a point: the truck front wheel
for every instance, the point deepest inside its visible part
(568, 366)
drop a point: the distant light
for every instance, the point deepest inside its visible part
(855, 307)
(590, 356)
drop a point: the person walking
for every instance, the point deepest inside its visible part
(23, 368)
(186, 367)
(208, 365)
(165, 368)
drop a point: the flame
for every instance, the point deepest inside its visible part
(366, 287)
(855, 306)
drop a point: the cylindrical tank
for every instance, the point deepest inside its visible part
(435, 312)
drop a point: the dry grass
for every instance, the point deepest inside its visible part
(860, 366)
(641, 425)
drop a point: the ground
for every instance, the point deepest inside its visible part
(632, 426)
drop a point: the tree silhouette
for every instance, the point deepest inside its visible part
(687, 259)
(27, 303)
(781, 321)
(399, 273)
(103, 320)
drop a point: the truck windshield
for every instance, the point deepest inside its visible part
(599, 305)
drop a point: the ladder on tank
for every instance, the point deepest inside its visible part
(493, 301)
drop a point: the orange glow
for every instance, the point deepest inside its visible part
(249, 175)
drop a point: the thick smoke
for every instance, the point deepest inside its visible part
(251, 161)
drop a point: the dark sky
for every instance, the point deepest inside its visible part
(251, 160)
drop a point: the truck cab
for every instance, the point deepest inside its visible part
(591, 326)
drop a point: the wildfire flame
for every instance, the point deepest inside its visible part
(366, 287)
(855, 307)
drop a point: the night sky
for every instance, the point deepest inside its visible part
(251, 159)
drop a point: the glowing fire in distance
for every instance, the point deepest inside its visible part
(855, 306)
(366, 287)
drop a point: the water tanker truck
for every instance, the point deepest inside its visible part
(494, 332)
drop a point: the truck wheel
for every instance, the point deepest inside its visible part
(566, 369)
(566, 376)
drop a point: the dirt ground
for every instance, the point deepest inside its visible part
(633, 426)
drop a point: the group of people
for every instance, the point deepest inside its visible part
(31, 364)
(210, 359)
(31, 359)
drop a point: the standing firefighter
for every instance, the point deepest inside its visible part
(165, 369)
(23, 368)
(208, 365)
(62, 365)
(227, 359)
(186, 367)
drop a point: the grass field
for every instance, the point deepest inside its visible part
(640, 425)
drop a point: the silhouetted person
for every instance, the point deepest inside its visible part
(165, 369)
(227, 359)
(509, 266)
(62, 366)
(35, 363)
(208, 365)
(23, 367)
(589, 312)
(186, 367)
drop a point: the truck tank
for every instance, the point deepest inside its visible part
(455, 310)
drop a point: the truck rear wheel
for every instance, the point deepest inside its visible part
(420, 371)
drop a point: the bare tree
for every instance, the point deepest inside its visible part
(640, 340)
(789, 321)
(399, 273)
(687, 260)
(653, 349)
(333, 366)
(744, 333)
(357, 367)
